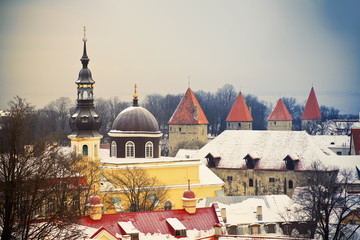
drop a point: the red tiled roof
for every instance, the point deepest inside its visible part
(355, 135)
(184, 113)
(155, 221)
(280, 113)
(311, 110)
(239, 111)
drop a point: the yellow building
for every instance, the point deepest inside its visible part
(134, 143)
(187, 125)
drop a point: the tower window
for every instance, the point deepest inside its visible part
(291, 184)
(229, 178)
(113, 149)
(95, 150)
(149, 150)
(251, 182)
(179, 129)
(85, 150)
(239, 124)
(271, 179)
(130, 149)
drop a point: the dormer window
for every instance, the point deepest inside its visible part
(290, 162)
(179, 230)
(212, 161)
(127, 228)
(250, 161)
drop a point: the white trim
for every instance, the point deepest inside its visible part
(113, 149)
(127, 134)
(166, 165)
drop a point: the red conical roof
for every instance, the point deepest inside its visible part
(280, 113)
(184, 113)
(312, 110)
(239, 111)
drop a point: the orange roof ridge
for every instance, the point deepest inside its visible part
(185, 111)
(239, 111)
(280, 113)
(311, 110)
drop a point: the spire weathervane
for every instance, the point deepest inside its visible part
(84, 34)
(135, 94)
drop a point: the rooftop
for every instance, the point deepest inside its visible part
(188, 111)
(239, 111)
(311, 110)
(280, 113)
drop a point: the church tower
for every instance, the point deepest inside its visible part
(311, 115)
(85, 122)
(280, 118)
(187, 125)
(239, 117)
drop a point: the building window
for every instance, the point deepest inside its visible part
(95, 150)
(270, 228)
(229, 178)
(170, 129)
(228, 124)
(339, 153)
(291, 185)
(168, 205)
(271, 179)
(275, 123)
(179, 129)
(130, 149)
(251, 182)
(180, 233)
(85, 150)
(239, 124)
(154, 200)
(113, 149)
(149, 150)
(255, 229)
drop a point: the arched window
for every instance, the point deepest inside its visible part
(291, 184)
(130, 149)
(251, 182)
(95, 150)
(149, 150)
(168, 205)
(85, 150)
(113, 149)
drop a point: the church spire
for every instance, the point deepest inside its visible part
(84, 60)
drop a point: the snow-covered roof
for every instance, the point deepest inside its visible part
(243, 209)
(185, 153)
(338, 141)
(271, 147)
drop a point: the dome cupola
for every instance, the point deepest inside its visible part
(137, 128)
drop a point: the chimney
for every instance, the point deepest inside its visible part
(218, 229)
(94, 207)
(189, 200)
(259, 213)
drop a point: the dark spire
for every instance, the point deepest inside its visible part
(84, 60)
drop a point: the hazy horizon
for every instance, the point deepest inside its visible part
(270, 49)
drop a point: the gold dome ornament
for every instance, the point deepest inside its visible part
(135, 94)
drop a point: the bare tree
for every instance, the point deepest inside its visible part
(38, 185)
(142, 192)
(327, 202)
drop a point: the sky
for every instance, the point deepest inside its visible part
(270, 49)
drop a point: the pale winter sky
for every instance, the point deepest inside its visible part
(267, 48)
